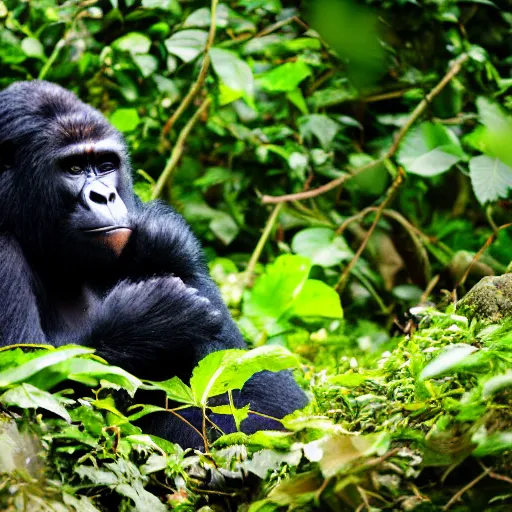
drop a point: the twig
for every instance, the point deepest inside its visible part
(416, 113)
(478, 255)
(178, 150)
(262, 241)
(385, 96)
(390, 194)
(52, 58)
(308, 194)
(205, 443)
(425, 102)
(428, 290)
(466, 488)
(279, 24)
(187, 100)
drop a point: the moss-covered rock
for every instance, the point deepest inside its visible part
(490, 300)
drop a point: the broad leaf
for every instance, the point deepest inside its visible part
(232, 70)
(230, 369)
(449, 358)
(320, 126)
(125, 119)
(317, 299)
(176, 390)
(490, 177)
(134, 43)
(321, 246)
(284, 78)
(187, 44)
(430, 149)
(27, 396)
(275, 291)
(33, 366)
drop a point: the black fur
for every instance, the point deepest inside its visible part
(154, 310)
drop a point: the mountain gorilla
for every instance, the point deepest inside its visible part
(84, 261)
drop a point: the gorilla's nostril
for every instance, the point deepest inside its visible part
(97, 198)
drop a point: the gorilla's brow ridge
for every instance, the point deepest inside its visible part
(93, 146)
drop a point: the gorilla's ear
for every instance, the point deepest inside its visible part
(7, 155)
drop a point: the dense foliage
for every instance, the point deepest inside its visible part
(324, 151)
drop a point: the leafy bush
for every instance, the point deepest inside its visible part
(321, 150)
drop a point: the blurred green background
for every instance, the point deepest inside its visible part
(297, 95)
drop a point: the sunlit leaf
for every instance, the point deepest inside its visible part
(321, 246)
(27, 396)
(187, 44)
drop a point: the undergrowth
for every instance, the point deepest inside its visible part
(421, 423)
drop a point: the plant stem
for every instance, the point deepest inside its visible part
(178, 149)
(196, 86)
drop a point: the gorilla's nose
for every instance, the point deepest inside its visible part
(100, 193)
(104, 205)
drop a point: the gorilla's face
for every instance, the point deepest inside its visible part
(89, 178)
(65, 184)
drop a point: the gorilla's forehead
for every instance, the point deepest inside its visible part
(81, 127)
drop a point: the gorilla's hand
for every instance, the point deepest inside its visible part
(152, 320)
(161, 243)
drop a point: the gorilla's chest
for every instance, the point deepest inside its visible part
(73, 311)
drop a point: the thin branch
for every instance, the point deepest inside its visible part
(263, 240)
(308, 194)
(478, 255)
(425, 102)
(416, 113)
(192, 93)
(279, 24)
(390, 194)
(385, 96)
(178, 150)
(52, 58)
(205, 443)
(466, 488)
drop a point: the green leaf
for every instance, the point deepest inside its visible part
(224, 226)
(496, 384)
(429, 150)
(134, 43)
(490, 177)
(201, 17)
(230, 369)
(317, 299)
(91, 372)
(147, 64)
(26, 370)
(493, 444)
(232, 70)
(274, 292)
(321, 246)
(297, 98)
(320, 126)
(28, 396)
(284, 78)
(176, 390)
(187, 44)
(125, 119)
(32, 47)
(449, 358)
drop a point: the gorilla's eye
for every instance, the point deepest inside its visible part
(75, 170)
(105, 167)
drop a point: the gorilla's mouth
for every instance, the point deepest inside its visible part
(113, 237)
(106, 229)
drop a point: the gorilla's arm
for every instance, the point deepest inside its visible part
(152, 327)
(163, 244)
(148, 327)
(20, 320)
